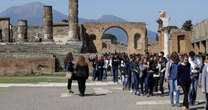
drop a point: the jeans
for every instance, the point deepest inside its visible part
(105, 74)
(115, 74)
(135, 82)
(94, 74)
(125, 81)
(173, 88)
(193, 91)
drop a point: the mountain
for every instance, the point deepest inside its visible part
(32, 12)
(152, 36)
(110, 18)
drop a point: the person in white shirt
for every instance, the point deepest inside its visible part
(196, 64)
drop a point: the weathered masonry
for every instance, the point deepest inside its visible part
(200, 37)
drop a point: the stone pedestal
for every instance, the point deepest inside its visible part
(22, 31)
(48, 23)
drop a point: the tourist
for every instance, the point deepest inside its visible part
(124, 75)
(150, 78)
(143, 76)
(135, 75)
(105, 67)
(69, 67)
(156, 74)
(82, 74)
(100, 68)
(204, 82)
(115, 67)
(94, 65)
(184, 79)
(162, 67)
(170, 75)
(129, 71)
(196, 65)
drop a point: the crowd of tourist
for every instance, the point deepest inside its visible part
(146, 74)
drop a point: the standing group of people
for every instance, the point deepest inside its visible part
(140, 74)
(144, 74)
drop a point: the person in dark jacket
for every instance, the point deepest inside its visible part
(162, 62)
(150, 78)
(82, 74)
(69, 67)
(184, 79)
(115, 67)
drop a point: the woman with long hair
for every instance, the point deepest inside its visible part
(82, 74)
(69, 67)
(171, 76)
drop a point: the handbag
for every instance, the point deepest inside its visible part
(68, 75)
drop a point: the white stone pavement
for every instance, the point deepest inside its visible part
(6, 85)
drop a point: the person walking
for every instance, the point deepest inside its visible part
(115, 67)
(171, 76)
(69, 68)
(82, 74)
(204, 81)
(196, 65)
(162, 67)
(184, 79)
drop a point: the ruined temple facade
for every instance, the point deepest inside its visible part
(200, 37)
(57, 39)
(179, 41)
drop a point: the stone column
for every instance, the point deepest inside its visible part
(48, 23)
(22, 31)
(166, 42)
(5, 29)
(73, 20)
(1, 35)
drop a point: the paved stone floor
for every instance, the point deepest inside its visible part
(98, 98)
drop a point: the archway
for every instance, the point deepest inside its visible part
(114, 39)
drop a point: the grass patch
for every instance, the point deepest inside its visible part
(32, 79)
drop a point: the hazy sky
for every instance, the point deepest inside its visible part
(131, 10)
